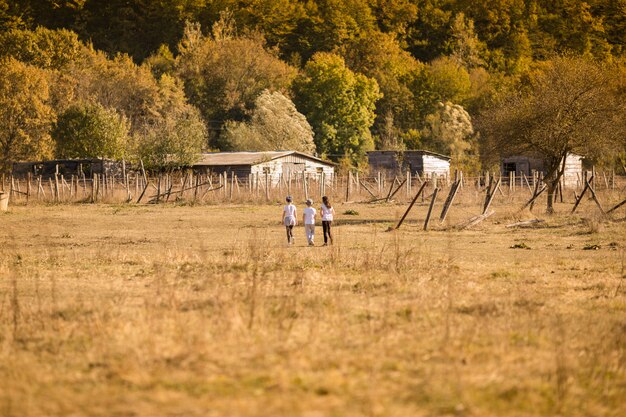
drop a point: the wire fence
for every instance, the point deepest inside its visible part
(189, 187)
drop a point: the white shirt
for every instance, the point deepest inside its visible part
(327, 213)
(309, 215)
(290, 210)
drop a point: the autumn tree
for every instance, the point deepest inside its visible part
(572, 106)
(465, 47)
(275, 124)
(25, 114)
(224, 73)
(43, 48)
(339, 104)
(176, 134)
(91, 131)
(448, 130)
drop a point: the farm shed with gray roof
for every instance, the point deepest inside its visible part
(525, 165)
(276, 164)
(418, 161)
(68, 167)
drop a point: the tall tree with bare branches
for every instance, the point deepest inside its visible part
(573, 105)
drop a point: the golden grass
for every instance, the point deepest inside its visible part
(113, 310)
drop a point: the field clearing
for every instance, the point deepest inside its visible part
(182, 310)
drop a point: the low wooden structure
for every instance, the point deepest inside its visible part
(416, 161)
(69, 167)
(274, 164)
(525, 166)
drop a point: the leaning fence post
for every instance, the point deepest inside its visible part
(406, 213)
(430, 208)
(449, 200)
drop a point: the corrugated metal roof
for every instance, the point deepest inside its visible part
(248, 158)
(417, 152)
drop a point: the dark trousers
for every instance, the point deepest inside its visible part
(327, 235)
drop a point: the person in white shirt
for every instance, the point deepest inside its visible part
(328, 213)
(289, 219)
(308, 218)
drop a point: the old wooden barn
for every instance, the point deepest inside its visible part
(274, 164)
(69, 167)
(418, 162)
(525, 166)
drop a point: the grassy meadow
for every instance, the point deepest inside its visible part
(183, 310)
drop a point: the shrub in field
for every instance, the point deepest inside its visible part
(90, 131)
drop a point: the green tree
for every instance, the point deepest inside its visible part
(396, 72)
(225, 73)
(91, 131)
(25, 114)
(172, 143)
(339, 104)
(573, 106)
(176, 136)
(275, 125)
(443, 80)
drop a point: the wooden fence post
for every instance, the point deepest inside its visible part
(430, 208)
(29, 178)
(408, 182)
(406, 213)
(304, 185)
(232, 185)
(449, 200)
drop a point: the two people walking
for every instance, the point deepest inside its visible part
(308, 218)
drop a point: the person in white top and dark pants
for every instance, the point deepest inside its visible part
(328, 213)
(308, 218)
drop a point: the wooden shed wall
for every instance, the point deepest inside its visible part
(435, 165)
(526, 165)
(523, 165)
(396, 163)
(572, 176)
(241, 171)
(295, 165)
(385, 161)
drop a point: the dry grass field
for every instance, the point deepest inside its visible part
(181, 310)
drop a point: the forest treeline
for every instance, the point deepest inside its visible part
(161, 80)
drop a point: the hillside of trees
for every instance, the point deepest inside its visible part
(162, 80)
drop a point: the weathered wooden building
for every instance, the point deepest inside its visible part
(525, 165)
(418, 162)
(69, 167)
(276, 164)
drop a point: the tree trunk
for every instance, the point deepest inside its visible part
(552, 186)
(553, 177)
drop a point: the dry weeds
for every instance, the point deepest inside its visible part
(113, 310)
